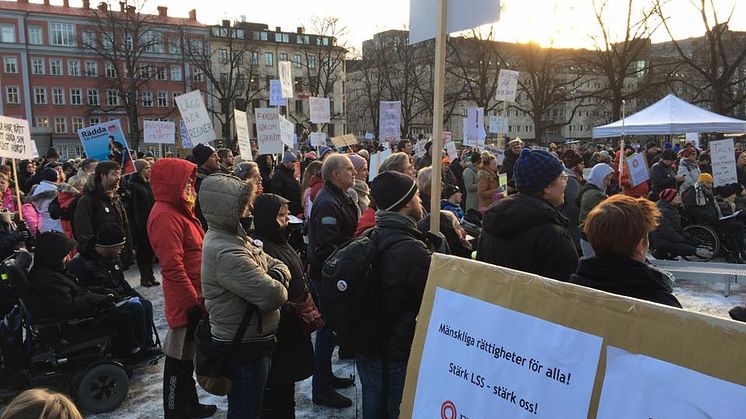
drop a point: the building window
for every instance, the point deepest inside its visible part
(282, 37)
(223, 55)
(73, 68)
(147, 99)
(107, 40)
(196, 45)
(254, 58)
(197, 76)
(298, 60)
(160, 73)
(173, 46)
(312, 62)
(40, 95)
(154, 41)
(55, 67)
(76, 96)
(175, 73)
(7, 33)
(42, 121)
(89, 39)
(260, 36)
(93, 97)
(34, 35)
(77, 123)
(37, 66)
(269, 59)
(62, 34)
(146, 72)
(58, 96)
(111, 71)
(163, 99)
(91, 69)
(299, 106)
(12, 95)
(112, 97)
(60, 124)
(95, 121)
(11, 65)
(283, 56)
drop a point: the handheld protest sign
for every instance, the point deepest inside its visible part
(194, 115)
(16, 143)
(106, 141)
(242, 134)
(548, 349)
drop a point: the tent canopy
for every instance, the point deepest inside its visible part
(671, 115)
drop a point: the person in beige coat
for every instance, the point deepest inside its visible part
(237, 276)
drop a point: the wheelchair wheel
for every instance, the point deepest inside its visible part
(709, 242)
(102, 388)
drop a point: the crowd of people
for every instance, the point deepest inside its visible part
(242, 247)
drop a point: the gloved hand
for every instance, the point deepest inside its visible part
(194, 315)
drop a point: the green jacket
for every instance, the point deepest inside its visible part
(590, 197)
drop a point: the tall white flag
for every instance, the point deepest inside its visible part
(462, 15)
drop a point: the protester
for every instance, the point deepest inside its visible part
(451, 201)
(176, 236)
(652, 154)
(249, 171)
(511, 156)
(618, 265)
(238, 276)
(67, 196)
(88, 167)
(427, 159)
(741, 167)
(285, 184)
(688, 168)
(398, 162)
(570, 209)
(488, 187)
(591, 195)
(404, 146)
(526, 231)
(225, 156)
(312, 184)
(26, 172)
(670, 240)
(456, 243)
(42, 195)
(11, 237)
(641, 190)
(140, 203)
(360, 193)
(266, 165)
(662, 174)
(424, 184)
(705, 162)
(40, 403)
(207, 161)
(333, 221)
(471, 181)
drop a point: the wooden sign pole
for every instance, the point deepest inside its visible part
(438, 98)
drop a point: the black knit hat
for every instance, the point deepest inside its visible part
(450, 190)
(51, 248)
(49, 174)
(571, 158)
(535, 170)
(392, 190)
(110, 235)
(202, 152)
(668, 155)
(52, 154)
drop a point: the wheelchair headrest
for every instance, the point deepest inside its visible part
(24, 260)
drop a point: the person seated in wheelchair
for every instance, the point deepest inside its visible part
(98, 268)
(669, 239)
(61, 297)
(701, 207)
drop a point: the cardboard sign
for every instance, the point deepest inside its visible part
(498, 125)
(389, 120)
(475, 369)
(159, 132)
(106, 141)
(723, 162)
(638, 169)
(275, 94)
(194, 113)
(320, 113)
(15, 139)
(287, 132)
(474, 133)
(186, 142)
(507, 85)
(318, 139)
(268, 131)
(344, 140)
(242, 134)
(286, 79)
(460, 15)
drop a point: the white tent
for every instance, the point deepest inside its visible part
(671, 115)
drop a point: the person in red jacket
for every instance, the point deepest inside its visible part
(176, 237)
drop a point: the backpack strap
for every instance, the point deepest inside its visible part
(250, 309)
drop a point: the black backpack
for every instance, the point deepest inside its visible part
(57, 212)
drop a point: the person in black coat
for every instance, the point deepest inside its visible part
(140, 203)
(526, 231)
(511, 156)
(670, 239)
(662, 174)
(285, 184)
(618, 230)
(292, 359)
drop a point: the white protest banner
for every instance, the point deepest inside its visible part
(512, 366)
(507, 85)
(389, 120)
(186, 142)
(34, 150)
(15, 138)
(451, 150)
(723, 162)
(462, 14)
(375, 161)
(275, 94)
(419, 149)
(368, 136)
(638, 169)
(320, 113)
(638, 386)
(693, 137)
(242, 134)
(318, 139)
(287, 132)
(193, 111)
(286, 79)
(269, 136)
(498, 125)
(474, 133)
(447, 137)
(159, 132)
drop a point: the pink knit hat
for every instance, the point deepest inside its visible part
(357, 161)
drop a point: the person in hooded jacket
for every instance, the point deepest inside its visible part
(285, 184)
(237, 275)
(591, 195)
(292, 359)
(618, 265)
(42, 195)
(688, 168)
(140, 203)
(526, 231)
(176, 237)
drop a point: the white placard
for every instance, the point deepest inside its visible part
(512, 366)
(498, 125)
(15, 138)
(286, 79)
(268, 130)
(419, 149)
(275, 94)
(159, 132)
(194, 113)
(34, 150)
(638, 169)
(242, 134)
(451, 150)
(447, 137)
(389, 120)
(474, 133)
(375, 162)
(638, 386)
(723, 162)
(461, 15)
(368, 136)
(287, 132)
(318, 139)
(320, 112)
(507, 85)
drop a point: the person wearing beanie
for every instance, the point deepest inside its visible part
(688, 168)
(427, 159)
(669, 240)
(652, 153)
(139, 204)
(208, 162)
(705, 162)
(512, 151)
(662, 175)
(403, 268)
(364, 154)
(471, 181)
(526, 231)
(325, 151)
(284, 183)
(360, 193)
(451, 201)
(574, 166)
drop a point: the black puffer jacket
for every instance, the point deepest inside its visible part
(95, 209)
(661, 177)
(283, 183)
(140, 203)
(624, 276)
(333, 222)
(99, 275)
(669, 225)
(528, 234)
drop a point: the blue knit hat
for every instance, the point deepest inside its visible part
(535, 170)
